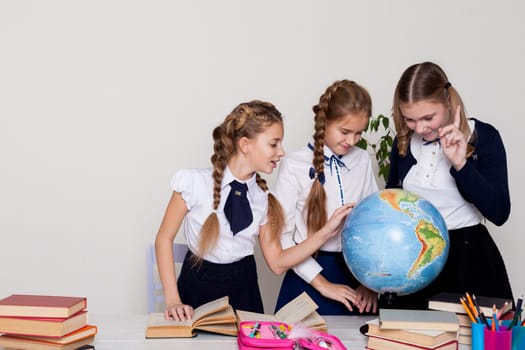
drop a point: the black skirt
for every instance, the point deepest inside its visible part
(209, 281)
(474, 265)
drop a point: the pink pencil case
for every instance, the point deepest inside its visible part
(254, 335)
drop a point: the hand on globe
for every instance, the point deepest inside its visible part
(335, 224)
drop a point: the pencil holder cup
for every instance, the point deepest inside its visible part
(478, 341)
(478, 334)
(518, 338)
(498, 340)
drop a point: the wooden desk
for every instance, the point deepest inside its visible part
(126, 332)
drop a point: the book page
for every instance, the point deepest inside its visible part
(313, 320)
(253, 316)
(211, 307)
(223, 316)
(227, 328)
(157, 319)
(297, 309)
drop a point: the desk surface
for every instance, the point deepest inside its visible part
(127, 332)
(119, 332)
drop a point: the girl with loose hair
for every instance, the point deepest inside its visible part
(458, 164)
(225, 210)
(329, 172)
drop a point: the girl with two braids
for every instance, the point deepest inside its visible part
(326, 174)
(459, 164)
(224, 211)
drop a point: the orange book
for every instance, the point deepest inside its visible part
(26, 305)
(87, 331)
(10, 342)
(47, 327)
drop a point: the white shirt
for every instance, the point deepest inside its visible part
(196, 188)
(430, 178)
(293, 185)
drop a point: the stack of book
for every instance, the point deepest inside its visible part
(452, 302)
(44, 322)
(397, 329)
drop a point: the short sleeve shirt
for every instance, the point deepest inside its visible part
(196, 188)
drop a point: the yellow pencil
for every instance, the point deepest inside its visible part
(467, 309)
(471, 304)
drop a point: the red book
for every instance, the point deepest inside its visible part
(47, 327)
(24, 305)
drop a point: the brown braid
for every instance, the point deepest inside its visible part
(275, 210)
(341, 98)
(246, 120)
(426, 82)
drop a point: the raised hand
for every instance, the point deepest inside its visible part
(453, 142)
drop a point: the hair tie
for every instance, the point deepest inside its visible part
(447, 85)
(319, 176)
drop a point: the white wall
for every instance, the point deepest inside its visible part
(102, 101)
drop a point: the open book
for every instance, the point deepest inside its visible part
(300, 310)
(217, 316)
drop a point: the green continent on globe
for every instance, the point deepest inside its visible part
(433, 246)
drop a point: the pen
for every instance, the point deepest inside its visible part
(517, 313)
(484, 319)
(255, 330)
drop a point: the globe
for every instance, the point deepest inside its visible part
(395, 242)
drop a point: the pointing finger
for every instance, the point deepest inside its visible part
(457, 117)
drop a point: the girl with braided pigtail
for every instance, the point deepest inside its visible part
(314, 182)
(225, 210)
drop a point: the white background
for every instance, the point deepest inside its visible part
(102, 101)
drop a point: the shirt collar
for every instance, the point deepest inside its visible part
(228, 177)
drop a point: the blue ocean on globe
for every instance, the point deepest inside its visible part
(395, 241)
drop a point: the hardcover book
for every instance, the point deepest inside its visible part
(299, 310)
(26, 305)
(217, 316)
(375, 343)
(47, 327)
(10, 342)
(450, 302)
(418, 319)
(424, 338)
(87, 331)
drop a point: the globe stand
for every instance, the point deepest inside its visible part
(389, 299)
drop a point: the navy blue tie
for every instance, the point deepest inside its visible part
(437, 139)
(237, 207)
